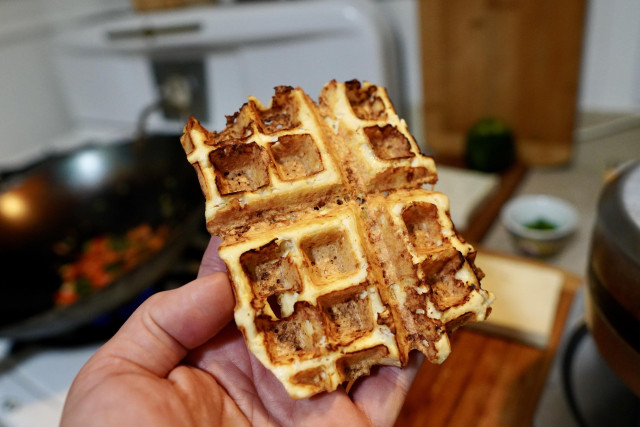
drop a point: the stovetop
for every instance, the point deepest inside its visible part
(601, 398)
(35, 376)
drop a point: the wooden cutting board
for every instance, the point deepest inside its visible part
(516, 60)
(489, 380)
(468, 191)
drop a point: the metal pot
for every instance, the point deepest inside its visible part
(613, 297)
(92, 191)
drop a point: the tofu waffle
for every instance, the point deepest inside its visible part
(340, 254)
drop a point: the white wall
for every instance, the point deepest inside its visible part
(32, 107)
(404, 18)
(611, 57)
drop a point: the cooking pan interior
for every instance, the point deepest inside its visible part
(50, 210)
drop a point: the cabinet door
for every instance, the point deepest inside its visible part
(516, 60)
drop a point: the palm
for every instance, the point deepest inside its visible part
(163, 368)
(261, 397)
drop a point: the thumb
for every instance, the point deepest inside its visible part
(211, 262)
(166, 326)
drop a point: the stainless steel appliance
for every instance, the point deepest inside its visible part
(613, 304)
(596, 376)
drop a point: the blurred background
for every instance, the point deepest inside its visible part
(538, 66)
(512, 97)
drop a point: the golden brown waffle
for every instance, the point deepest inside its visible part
(340, 255)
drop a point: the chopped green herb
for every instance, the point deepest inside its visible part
(83, 286)
(118, 243)
(541, 224)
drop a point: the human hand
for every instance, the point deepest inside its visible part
(180, 360)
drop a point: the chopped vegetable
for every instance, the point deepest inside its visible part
(105, 258)
(541, 224)
(490, 146)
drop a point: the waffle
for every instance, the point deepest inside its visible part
(341, 255)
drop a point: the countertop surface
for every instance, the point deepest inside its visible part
(603, 142)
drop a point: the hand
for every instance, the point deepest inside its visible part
(180, 360)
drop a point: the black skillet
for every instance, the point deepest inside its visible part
(74, 197)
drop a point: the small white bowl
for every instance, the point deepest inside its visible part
(520, 215)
